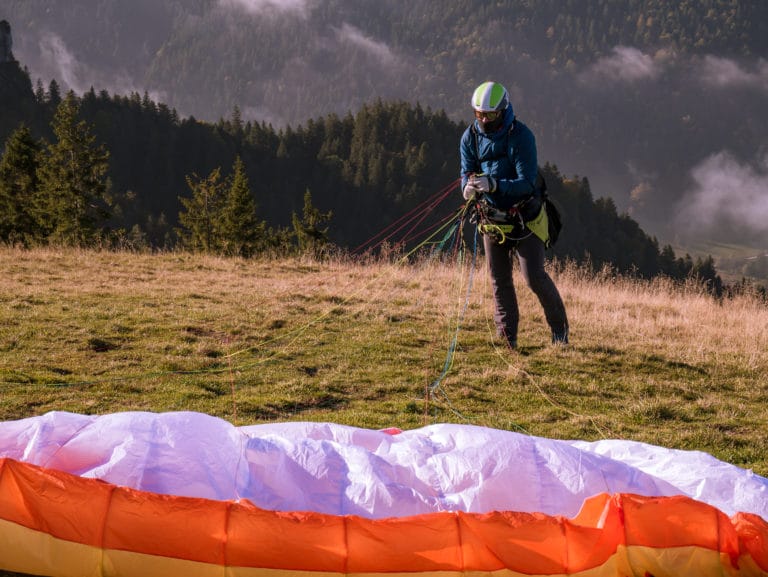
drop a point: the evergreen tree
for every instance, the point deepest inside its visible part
(18, 187)
(73, 185)
(39, 92)
(54, 95)
(243, 234)
(310, 230)
(704, 271)
(201, 221)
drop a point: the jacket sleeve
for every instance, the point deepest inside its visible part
(468, 155)
(523, 156)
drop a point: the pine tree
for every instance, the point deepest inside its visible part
(704, 271)
(201, 221)
(310, 231)
(243, 234)
(18, 187)
(54, 95)
(39, 92)
(73, 183)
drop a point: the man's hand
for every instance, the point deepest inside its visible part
(482, 183)
(469, 191)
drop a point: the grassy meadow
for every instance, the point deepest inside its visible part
(253, 341)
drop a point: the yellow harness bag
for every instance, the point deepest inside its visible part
(503, 231)
(540, 225)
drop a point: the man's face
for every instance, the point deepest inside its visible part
(490, 120)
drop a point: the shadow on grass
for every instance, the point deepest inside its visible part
(284, 409)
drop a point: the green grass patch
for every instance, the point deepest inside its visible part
(367, 345)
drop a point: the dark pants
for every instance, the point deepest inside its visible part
(530, 254)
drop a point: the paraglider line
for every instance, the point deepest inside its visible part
(448, 364)
(422, 210)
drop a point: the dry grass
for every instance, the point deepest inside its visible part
(265, 340)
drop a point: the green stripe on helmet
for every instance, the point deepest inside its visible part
(489, 96)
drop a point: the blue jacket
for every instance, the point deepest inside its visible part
(507, 156)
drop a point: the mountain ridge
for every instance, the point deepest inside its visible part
(661, 107)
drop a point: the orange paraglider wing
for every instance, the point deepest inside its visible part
(58, 522)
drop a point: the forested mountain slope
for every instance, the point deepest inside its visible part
(144, 176)
(660, 105)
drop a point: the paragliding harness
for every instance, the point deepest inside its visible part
(509, 225)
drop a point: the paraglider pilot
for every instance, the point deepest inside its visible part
(499, 170)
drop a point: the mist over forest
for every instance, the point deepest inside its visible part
(660, 106)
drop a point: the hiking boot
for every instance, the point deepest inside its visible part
(560, 337)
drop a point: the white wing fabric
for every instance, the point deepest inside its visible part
(339, 470)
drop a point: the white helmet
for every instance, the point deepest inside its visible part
(490, 96)
(489, 102)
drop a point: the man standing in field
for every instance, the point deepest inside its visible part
(499, 169)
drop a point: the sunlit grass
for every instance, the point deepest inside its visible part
(366, 344)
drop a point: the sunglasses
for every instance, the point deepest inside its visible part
(489, 115)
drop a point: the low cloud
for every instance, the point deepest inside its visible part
(56, 56)
(379, 50)
(260, 6)
(640, 194)
(727, 193)
(727, 73)
(626, 64)
(59, 62)
(643, 187)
